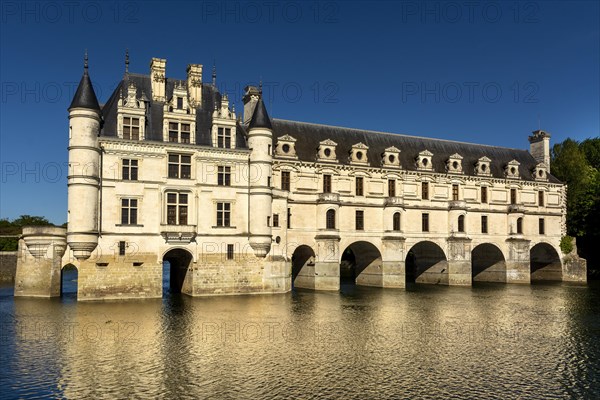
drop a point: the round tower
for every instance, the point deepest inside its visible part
(260, 141)
(84, 169)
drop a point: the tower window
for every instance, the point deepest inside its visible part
(541, 198)
(224, 176)
(520, 225)
(177, 208)
(542, 226)
(285, 180)
(289, 218)
(484, 194)
(326, 183)
(129, 211)
(360, 220)
(455, 192)
(513, 196)
(425, 222)
(275, 220)
(230, 251)
(131, 128)
(330, 219)
(223, 214)
(484, 224)
(224, 138)
(359, 186)
(391, 187)
(461, 223)
(425, 190)
(130, 170)
(396, 221)
(180, 166)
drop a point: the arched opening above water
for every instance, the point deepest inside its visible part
(356, 261)
(488, 264)
(426, 263)
(303, 263)
(545, 263)
(176, 263)
(69, 277)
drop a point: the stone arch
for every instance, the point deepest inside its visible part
(545, 264)
(180, 260)
(360, 263)
(426, 262)
(488, 263)
(69, 280)
(303, 266)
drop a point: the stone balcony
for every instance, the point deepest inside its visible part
(180, 234)
(328, 198)
(392, 201)
(516, 208)
(457, 205)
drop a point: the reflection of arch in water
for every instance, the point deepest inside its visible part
(303, 266)
(69, 278)
(426, 263)
(545, 263)
(361, 264)
(488, 264)
(179, 262)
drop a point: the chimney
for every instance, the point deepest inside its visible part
(194, 84)
(250, 99)
(539, 147)
(158, 68)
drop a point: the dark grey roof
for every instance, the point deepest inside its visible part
(85, 97)
(211, 99)
(310, 135)
(260, 117)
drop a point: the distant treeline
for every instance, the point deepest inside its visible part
(12, 229)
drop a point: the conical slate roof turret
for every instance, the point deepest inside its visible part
(260, 117)
(85, 97)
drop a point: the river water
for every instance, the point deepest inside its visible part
(490, 341)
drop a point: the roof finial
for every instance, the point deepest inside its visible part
(214, 74)
(260, 86)
(126, 61)
(85, 61)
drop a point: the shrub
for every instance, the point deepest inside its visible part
(566, 244)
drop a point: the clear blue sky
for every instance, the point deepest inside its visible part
(477, 72)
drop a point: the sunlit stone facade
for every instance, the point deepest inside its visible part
(167, 171)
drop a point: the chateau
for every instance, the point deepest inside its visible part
(166, 171)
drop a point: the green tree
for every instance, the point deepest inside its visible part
(591, 149)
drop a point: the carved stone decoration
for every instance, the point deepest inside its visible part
(511, 170)
(286, 147)
(482, 167)
(423, 161)
(540, 172)
(326, 151)
(391, 157)
(454, 164)
(358, 154)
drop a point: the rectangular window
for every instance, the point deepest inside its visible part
(122, 248)
(224, 138)
(129, 211)
(131, 128)
(513, 196)
(484, 197)
(360, 220)
(326, 183)
(455, 192)
(541, 198)
(230, 252)
(425, 222)
(179, 132)
(130, 170)
(180, 103)
(289, 218)
(275, 220)
(542, 227)
(224, 176)
(425, 190)
(484, 224)
(269, 220)
(180, 166)
(177, 208)
(223, 214)
(391, 187)
(359, 186)
(285, 180)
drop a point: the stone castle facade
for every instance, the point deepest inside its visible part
(165, 170)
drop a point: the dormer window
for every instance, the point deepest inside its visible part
(286, 147)
(179, 103)
(482, 167)
(131, 128)
(358, 154)
(391, 157)
(540, 172)
(423, 160)
(326, 151)
(179, 132)
(224, 138)
(512, 169)
(131, 115)
(454, 164)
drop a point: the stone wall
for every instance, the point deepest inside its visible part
(8, 265)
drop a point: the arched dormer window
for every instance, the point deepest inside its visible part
(461, 223)
(396, 221)
(330, 219)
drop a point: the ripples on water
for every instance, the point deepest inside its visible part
(489, 341)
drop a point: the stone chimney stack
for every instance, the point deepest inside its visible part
(251, 96)
(539, 147)
(158, 70)
(194, 84)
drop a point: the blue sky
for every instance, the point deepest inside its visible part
(486, 72)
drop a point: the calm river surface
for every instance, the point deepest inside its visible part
(489, 341)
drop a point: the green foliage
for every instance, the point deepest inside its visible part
(591, 149)
(9, 244)
(15, 226)
(566, 244)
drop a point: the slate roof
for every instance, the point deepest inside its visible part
(85, 97)
(310, 135)
(260, 117)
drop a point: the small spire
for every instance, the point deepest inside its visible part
(126, 61)
(260, 86)
(214, 74)
(85, 61)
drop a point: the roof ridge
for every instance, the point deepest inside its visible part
(397, 134)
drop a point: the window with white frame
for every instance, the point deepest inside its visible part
(129, 208)
(177, 208)
(223, 176)
(223, 214)
(224, 138)
(179, 132)
(180, 166)
(130, 170)
(131, 128)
